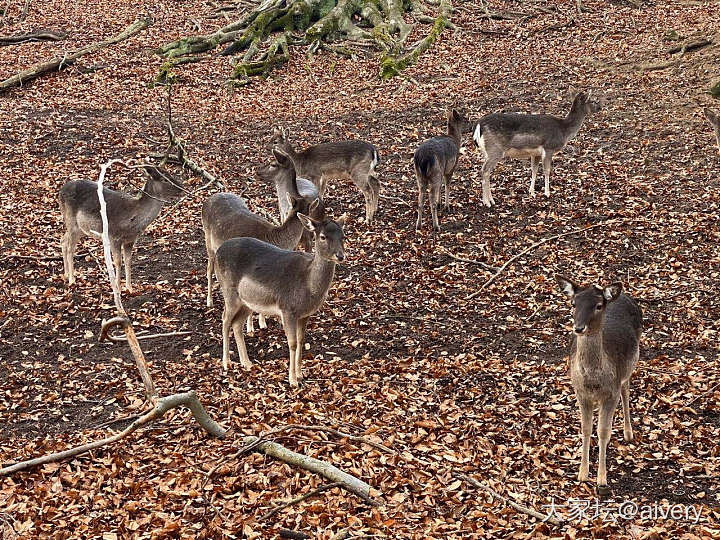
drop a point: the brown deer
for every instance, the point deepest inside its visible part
(522, 136)
(604, 348)
(128, 216)
(355, 160)
(435, 161)
(255, 276)
(715, 122)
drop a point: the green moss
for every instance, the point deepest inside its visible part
(715, 89)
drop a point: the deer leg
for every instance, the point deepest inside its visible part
(302, 325)
(533, 174)
(586, 420)
(227, 319)
(487, 170)
(625, 395)
(421, 191)
(127, 257)
(434, 201)
(547, 168)
(237, 327)
(446, 180)
(116, 252)
(605, 418)
(249, 325)
(375, 185)
(261, 321)
(290, 324)
(210, 268)
(368, 194)
(69, 243)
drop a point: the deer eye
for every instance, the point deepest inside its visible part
(322, 236)
(598, 307)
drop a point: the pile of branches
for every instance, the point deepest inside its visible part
(261, 39)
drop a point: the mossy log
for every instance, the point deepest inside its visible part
(264, 38)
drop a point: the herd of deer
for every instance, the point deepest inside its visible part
(259, 271)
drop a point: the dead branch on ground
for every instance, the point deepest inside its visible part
(41, 35)
(163, 405)
(532, 247)
(60, 62)
(519, 507)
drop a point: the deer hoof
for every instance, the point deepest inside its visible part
(603, 489)
(628, 436)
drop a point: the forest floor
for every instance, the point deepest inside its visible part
(398, 353)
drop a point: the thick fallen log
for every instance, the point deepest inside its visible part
(61, 62)
(332, 473)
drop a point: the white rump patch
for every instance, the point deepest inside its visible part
(477, 135)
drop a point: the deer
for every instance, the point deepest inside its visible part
(522, 136)
(715, 122)
(287, 184)
(225, 216)
(353, 159)
(435, 161)
(128, 216)
(292, 285)
(604, 348)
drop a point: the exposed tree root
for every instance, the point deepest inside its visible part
(262, 39)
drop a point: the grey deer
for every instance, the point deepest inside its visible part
(355, 160)
(604, 349)
(715, 121)
(522, 136)
(225, 216)
(257, 276)
(128, 216)
(285, 184)
(435, 161)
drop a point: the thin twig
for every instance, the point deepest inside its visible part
(670, 297)
(532, 247)
(486, 266)
(693, 400)
(299, 499)
(516, 506)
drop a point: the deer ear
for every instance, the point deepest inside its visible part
(567, 286)
(314, 205)
(613, 291)
(342, 220)
(282, 158)
(308, 222)
(290, 199)
(286, 133)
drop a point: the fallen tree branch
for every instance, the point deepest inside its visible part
(532, 247)
(60, 62)
(41, 35)
(670, 297)
(163, 405)
(705, 393)
(299, 499)
(486, 266)
(123, 339)
(519, 507)
(347, 481)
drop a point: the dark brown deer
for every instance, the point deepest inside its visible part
(522, 136)
(435, 161)
(715, 122)
(255, 276)
(604, 348)
(355, 160)
(128, 216)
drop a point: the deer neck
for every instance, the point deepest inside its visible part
(589, 351)
(289, 232)
(321, 275)
(148, 207)
(574, 121)
(454, 133)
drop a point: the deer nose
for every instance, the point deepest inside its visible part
(340, 256)
(580, 329)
